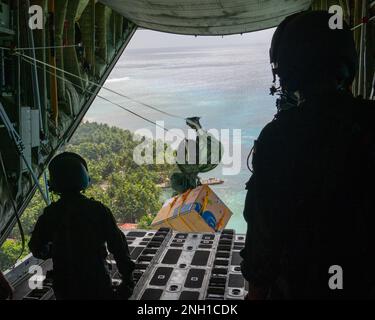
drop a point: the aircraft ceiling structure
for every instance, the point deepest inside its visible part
(207, 17)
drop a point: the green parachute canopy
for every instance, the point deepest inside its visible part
(195, 156)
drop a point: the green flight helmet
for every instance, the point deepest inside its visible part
(305, 50)
(68, 172)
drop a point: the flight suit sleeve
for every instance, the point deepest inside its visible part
(6, 290)
(263, 212)
(39, 243)
(117, 245)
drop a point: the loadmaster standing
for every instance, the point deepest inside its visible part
(310, 204)
(77, 233)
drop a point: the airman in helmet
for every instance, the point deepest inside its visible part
(309, 203)
(77, 233)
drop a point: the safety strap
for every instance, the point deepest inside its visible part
(220, 222)
(184, 197)
(204, 206)
(205, 202)
(171, 205)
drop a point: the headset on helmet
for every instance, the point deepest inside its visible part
(68, 172)
(275, 43)
(305, 50)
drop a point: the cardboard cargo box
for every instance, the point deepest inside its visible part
(197, 210)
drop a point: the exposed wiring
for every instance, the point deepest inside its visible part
(41, 48)
(29, 60)
(19, 146)
(372, 95)
(19, 223)
(102, 87)
(132, 112)
(45, 180)
(50, 47)
(365, 21)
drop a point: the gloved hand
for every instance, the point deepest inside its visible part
(6, 290)
(124, 291)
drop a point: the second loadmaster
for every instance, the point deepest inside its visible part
(310, 201)
(76, 233)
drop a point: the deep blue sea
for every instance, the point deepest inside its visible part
(226, 85)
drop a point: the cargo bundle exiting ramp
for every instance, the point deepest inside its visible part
(197, 210)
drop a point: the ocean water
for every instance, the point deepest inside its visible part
(226, 85)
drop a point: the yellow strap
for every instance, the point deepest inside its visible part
(205, 201)
(204, 206)
(184, 197)
(171, 205)
(220, 223)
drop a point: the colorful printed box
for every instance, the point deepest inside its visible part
(197, 210)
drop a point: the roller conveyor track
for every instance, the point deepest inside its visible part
(169, 266)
